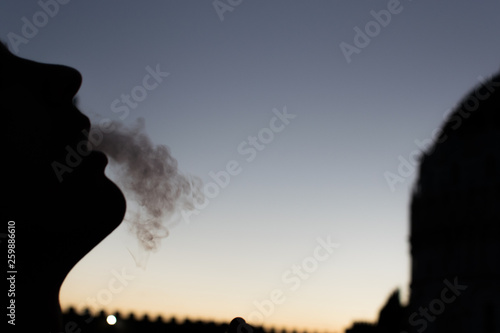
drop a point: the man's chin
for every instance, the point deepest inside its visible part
(108, 211)
(96, 207)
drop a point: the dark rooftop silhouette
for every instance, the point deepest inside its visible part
(86, 322)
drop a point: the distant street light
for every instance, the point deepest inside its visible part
(111, 320)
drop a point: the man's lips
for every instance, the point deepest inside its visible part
(98, 158)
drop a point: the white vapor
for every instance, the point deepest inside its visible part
(148, 175)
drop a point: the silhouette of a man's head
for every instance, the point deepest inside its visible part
(58, 219)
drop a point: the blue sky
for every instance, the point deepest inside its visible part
(321, 176)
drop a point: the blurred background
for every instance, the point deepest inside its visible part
(364, 85)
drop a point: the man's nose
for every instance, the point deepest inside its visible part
(65, 81)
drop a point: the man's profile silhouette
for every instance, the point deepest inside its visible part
(56, 222)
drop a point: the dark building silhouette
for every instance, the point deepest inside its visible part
(391, 318)
(455, 215)
(455, 227)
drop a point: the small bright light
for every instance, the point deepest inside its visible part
(111, 320)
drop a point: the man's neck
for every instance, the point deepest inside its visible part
(37, 307)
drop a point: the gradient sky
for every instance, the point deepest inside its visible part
(322, 176)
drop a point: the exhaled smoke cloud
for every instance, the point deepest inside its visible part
(149, 176)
